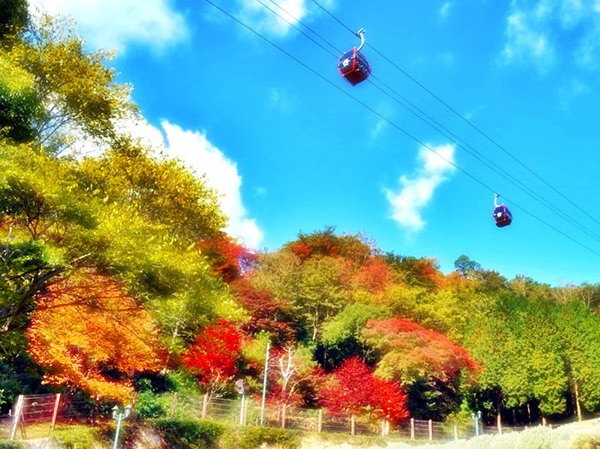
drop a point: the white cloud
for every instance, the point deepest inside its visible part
(278, 18)
(541, 31)
(378, 128)
(445, 10)
(112, 24)
(416, 192)
(572, 89)
(526, 42)
(280, 100)
(221, 173)
(276, 22)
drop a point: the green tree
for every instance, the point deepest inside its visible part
(580, 332)
(466, 266)
(341, 338)
(13, 16)
(19, 103)
(76, 88)
(316, 289)
(518, 344)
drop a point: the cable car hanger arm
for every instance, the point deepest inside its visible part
(361, 33)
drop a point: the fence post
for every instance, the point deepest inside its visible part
(352, 425)
(17, 416)
(204, 405)
(383, 427)
(455, 431)
(430, 426)
(412, 428)
(55, 412)
(283, 416)
(499, 423)
(174, 405)
(245, 412)
(242, 409)
(320, 421)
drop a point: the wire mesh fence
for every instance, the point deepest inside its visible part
(5, 421)
(250, 411)
(36, 415)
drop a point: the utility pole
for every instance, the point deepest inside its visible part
(264, 394)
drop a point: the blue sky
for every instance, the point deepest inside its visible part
(292, 146)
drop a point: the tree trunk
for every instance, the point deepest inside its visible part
(95, 411)
(283, 416)
(577, 404)
(499, 418)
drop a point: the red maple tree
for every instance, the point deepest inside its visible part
(266, 313)
(353, 389)
(214, 354)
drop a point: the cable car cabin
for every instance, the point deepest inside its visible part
(502, 216)
(354, 67)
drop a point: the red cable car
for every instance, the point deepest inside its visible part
(352, 65)
(502, 215)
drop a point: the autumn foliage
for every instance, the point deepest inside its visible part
(411, 352)
(353, 389)
(229, 259)
(327, 244)
(266, 313)
(214, 354)
(90, 334)
(374, 276)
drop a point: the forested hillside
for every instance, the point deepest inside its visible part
(116, 273)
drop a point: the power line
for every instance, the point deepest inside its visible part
(459, 115)
(393, 124)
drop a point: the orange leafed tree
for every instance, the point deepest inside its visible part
(375, 275)
(410, 352)
(90, 334)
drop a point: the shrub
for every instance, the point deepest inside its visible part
(149, 405)
(587, 442)
(11, 445)
(189, 434)
(254, 437)
(78, 437)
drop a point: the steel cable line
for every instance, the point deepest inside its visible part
(437, 126)
(395, 125)
(483, 159)
(459, 115)
(281, 8)
(298, 28)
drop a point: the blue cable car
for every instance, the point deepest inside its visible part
(352, 65)
(502, 215)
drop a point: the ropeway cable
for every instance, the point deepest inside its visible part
(436, 125)
(396, 126)
(459, 115)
